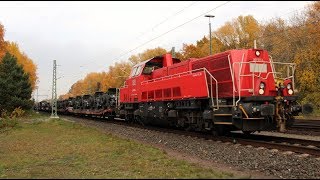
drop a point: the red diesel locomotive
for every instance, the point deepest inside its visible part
(232, 90)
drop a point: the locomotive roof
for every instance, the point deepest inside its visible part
(157, 59)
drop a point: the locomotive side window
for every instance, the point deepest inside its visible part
(148, 70)
(150, 67)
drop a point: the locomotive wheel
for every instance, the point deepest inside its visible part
(129, 119)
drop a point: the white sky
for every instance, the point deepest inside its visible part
(89, 36)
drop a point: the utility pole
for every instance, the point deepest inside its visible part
(37, 100)
(54, 91)
(37, 94)
(210, 16)
(173, 52)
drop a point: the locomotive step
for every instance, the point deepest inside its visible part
(224, 123)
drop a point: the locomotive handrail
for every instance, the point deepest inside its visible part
(170, 76)
(234, 103)
(190, 72)
(239, 91)
(232, 78)
(289, 65)
(292, 76)
(117, 97)
(217, 90)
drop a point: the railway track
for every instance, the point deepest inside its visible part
(281, 143)
(300, 146)
(306, 125)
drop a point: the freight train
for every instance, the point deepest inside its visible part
(232, 90)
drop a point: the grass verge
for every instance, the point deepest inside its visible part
(60, 149)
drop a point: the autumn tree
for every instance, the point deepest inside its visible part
(239, 33)
(2, 42)
(201, 48)
(147, 54)
(27, 64)
(75, 90)
(307, 57)
(15, 88)
(297, 40)
(117, 74)
(22, 58)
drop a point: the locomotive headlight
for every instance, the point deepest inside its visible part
(261, 91)
(289, 86)
(262, 86)
(257, 53)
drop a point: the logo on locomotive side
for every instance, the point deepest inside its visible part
(197, 74)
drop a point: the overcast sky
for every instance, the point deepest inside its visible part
(89, 36)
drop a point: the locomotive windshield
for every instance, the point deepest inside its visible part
(136, 71)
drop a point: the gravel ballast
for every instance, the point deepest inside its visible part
(269, 162)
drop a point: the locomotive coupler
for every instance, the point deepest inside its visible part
(280, 118)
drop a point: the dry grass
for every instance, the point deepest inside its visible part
(59, 149)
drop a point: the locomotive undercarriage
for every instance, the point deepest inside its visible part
(265, 113)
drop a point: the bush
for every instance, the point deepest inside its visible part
(7, 120)
(17, 112)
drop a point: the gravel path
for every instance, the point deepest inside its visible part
(270, 162)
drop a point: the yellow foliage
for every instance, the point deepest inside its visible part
(147, 54)
(2, 42)
(27, 64)
(239, 33)
(13, 48)
(17, 112)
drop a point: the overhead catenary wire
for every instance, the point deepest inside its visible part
(158, 24)
(182, 25)
(169, 17)
(116, 59)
